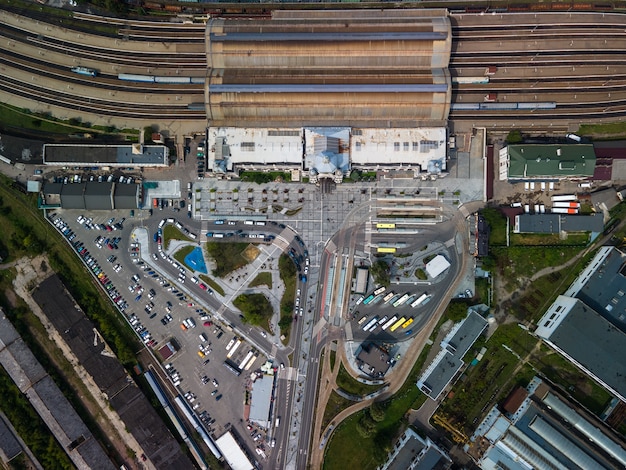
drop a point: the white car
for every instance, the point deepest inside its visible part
(194, 280)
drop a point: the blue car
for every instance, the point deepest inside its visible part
(138, 298)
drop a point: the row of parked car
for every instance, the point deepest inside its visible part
(92, 178)
(111, 225)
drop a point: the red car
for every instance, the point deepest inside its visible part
(203, 286)
(208, 323)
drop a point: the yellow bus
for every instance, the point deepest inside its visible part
(386, 226)
(381, 249)
(407, 323)
(397, 324)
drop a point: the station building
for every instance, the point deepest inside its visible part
(329, 91)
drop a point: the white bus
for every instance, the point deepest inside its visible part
(401, 301)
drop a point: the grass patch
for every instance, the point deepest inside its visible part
(517, 261)
(228, 257)
(420, 274)
(172, 233)
(347, 449)
(612, 129)
(262, 279)
(352, 386)
(489, 380)
(335, 405)
(497, 224)
(549, 239)
(256, 309)
(333, 357)
(212, 284)
(287, 272)
(582, 388)
(182, 253)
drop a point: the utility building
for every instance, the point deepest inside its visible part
(356, 68)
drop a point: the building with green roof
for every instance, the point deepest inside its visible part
(553, 161)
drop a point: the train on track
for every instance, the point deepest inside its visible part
(129, 77)
(247, 9)
(501, 106)
(85, 71)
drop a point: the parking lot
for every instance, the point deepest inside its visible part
(161, 309)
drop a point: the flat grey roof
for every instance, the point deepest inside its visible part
(372, 357)
(261, 399)
(554, 223)
(138, 415)
(9, 446)
(594, 343)
(439, 374)
(106, 155)
(605, 290)
(467, 333)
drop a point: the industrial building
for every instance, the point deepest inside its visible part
(557, 223)
(587, 324)
(327, 91)
(538, 428)
(91, 196)
(529, 162)
(413, 452)
(90, 155)
(449, 361)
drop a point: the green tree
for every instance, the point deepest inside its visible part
(380, 273)
(377, 411)
(514, 137)
(366, 426)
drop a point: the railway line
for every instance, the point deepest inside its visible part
(576, 63)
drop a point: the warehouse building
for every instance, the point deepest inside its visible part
(327, 91)
(541, 429)
(91, 196)
(587, 325)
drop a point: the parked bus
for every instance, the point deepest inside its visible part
(388, 297)
(369, 299)
(385, 250)
(401, 301)
(563, 198)
(230, 344)
(370, 323)
(390, 322)
(386, 226)
(407, 323)
(362, 320)
(245, 360)
(380, 290)
(383, 320)
(397, 324)
(233, 349)
(420, 300)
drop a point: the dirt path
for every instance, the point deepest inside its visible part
(29, 272)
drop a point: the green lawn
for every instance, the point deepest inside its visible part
(497, 224)
(182, 253)
(548, 239)
(335, 405)
(212, 284)
(347, 449)
(228, 257)
(262, 279)
(288, 275)
(352, 386)
(256, 309)
(172, 233)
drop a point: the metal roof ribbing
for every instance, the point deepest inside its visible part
(331, 88)
(564, 445)
(382, 36)
(585, 427)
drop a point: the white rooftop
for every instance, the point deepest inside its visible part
(256, 146)
(436, 266)
(406, 147)
(234, 456)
